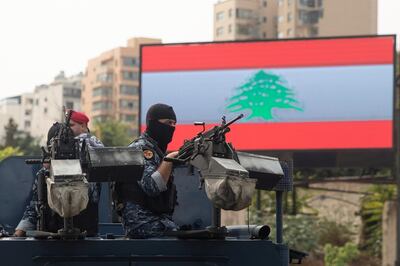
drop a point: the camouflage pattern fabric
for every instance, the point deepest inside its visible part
(3, 232)
(31, 214)
(141, 223)
(137, 221)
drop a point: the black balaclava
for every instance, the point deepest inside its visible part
(160, 132)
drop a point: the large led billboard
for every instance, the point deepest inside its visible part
(306, 94)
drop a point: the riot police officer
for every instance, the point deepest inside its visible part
(146, 206)
(88, 219)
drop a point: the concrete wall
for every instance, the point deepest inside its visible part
(389, 232)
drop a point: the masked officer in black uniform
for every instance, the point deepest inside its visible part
(146, 206)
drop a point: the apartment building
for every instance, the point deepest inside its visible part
(110, 87)
(245, 19)
(50, 99)
(36, 111)
(269, 19)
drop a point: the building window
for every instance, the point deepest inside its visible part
(69, 105)
(27, 123)
(102, 91)
(280, 2)
(127, 104)
(264, 35)
(280, 19)
(220, 31)
(280, 35)
(129, 61)
(72, 92)
(45, 110)
(230, 12)
(289, 32)
(313, 31)
(104, 77)
(230, 28)
(219, 16)
(28, 112)
(264, 3)
(128, 90)
(102, 105)
(243, 29)
(289, 2)
(129, 75)
(128, 118)
(265, 19)
(244, 13)
(309, 17)
(309, 3)
(100, 118)
(289, 17)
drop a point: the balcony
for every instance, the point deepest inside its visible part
(308, 17)
(310, 4)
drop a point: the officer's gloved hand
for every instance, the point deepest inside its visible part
(171, 157)
(19, 233)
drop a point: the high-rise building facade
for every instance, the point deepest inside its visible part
(110, 88)
(245, 19)
(269, 19)
(50, 99)
(35, 112)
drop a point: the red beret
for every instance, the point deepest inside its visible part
(79, 117)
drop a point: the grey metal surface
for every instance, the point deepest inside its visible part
(142, 252)
(16, 179)
(286, 183)
(194, 209)
(122, 164)
(267, 170)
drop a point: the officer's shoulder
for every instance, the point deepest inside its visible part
(140, 143)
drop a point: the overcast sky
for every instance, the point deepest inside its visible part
(39, 38)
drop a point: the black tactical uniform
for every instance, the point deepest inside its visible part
(147, 205)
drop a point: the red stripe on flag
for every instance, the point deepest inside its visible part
(272, 54)
(300, 136)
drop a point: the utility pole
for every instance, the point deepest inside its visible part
(397, 163)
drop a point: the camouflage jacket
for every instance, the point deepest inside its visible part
(140, 222)
(31, 214)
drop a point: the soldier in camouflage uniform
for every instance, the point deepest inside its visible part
(29, 221)
(146, 206)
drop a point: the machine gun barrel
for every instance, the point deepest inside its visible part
(216, 135)
(233, 121)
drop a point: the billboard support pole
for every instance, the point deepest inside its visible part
(397, 165)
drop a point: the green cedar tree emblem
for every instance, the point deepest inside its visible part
(262, 93)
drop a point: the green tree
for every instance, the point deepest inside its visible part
(371, 215)
(340, 256)
(262, 93)
(9, 151)
(112, 133)
(11, 130)
(26, 144)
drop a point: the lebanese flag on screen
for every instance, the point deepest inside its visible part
(341, 90)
